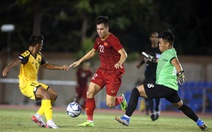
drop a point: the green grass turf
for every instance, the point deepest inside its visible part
(12, 120)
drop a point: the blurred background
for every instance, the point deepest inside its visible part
(69, 30)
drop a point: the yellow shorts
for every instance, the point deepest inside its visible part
(30, 89)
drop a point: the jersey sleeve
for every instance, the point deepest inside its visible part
(171, 55)
(43, 61)
(24, 57)
(116, 43)
(95, 46)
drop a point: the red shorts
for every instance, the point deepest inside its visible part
(110, 79)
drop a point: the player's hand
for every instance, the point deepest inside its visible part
(149, 57)
(75, 64)
(138, 66)
(4, 73)
(118, 65)
(65, 67)
(181, 77)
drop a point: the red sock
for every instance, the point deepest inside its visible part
(90, 106)
(118, 100)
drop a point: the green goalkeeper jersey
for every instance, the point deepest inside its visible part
(166, 72)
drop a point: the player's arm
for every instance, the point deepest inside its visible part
(55, 67)
(123, 57)
(179, 69)
(12, 64)
(49, 66)
(87, 56)
(177, 64)
(141, 63)
(149, 57)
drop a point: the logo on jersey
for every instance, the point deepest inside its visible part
(105, 44)
(113, 91)
(39, 60)
(150, 85)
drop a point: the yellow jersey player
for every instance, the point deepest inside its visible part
(29, 62)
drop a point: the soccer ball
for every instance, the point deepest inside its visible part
(74, 109)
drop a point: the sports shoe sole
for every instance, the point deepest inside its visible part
(34, 119)
(86, 125)
(204, 127)
(54, 127)
(118, 119)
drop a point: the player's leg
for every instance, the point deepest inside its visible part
(157, 111)
(93, 89)
(147, 90)
(96, 84)
(83, 98)
(90, 101)
(53, 95)
(190, 113)
(113, 83)
(151, 107)
(157, 103)
(148, 103)
(135, 94)
(110, 101)
(186, 110)
(46, 104)
(29, 91)
(77, 94)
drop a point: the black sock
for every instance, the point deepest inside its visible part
(151, 105)
(133, 102)
(189, 112)
(157, 102)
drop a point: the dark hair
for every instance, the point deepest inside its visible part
(35, 39)
(103, 19)
(156, 33)
(167, 35)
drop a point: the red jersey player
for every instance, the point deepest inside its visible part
(83, 74)
(112, 56)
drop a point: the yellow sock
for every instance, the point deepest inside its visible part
(40, 111)
(47, 108)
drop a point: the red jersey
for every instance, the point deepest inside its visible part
(82, 77)
(108, 52)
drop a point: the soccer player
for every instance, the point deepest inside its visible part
(29, 62)
(150, 75)
(83, 75)
(169, 74)
(112, 56)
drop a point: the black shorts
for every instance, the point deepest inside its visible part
(159, 91)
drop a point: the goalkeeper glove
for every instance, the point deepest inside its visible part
(180, 77)
(151, 59)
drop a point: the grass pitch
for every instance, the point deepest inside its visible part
(12, 120)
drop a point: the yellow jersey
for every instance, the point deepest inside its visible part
(29, 67)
